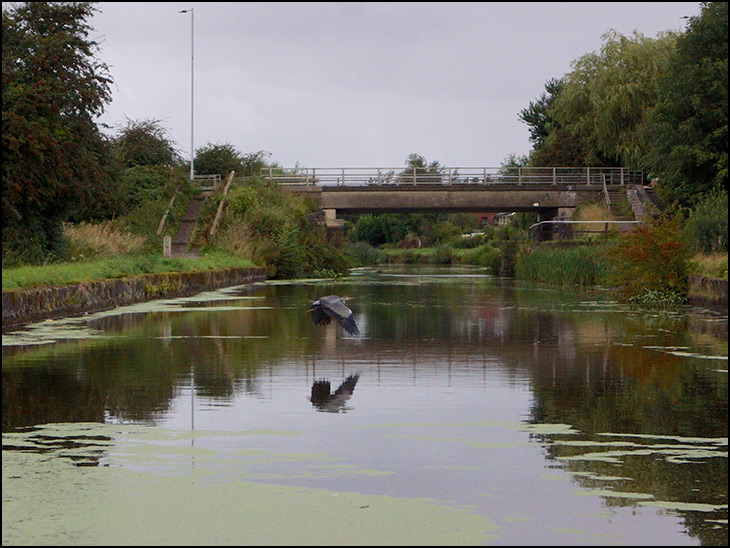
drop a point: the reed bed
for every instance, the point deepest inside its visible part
(106, 239)
(584, 265)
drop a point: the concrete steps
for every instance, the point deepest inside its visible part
(181, 240)
(618, 203)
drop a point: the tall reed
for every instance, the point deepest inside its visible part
(584, 265)
(86, 241)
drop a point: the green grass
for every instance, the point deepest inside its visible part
(712, 265)
(113, 267)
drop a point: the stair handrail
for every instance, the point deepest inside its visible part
(605, 190)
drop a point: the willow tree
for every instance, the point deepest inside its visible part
(54, 158)
(606, 99)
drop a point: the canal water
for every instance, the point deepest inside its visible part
(474, 410)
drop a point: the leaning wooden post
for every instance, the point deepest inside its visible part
(214, 228)
(164, 217)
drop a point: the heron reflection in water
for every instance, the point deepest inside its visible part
(334, 402)
(333, 306)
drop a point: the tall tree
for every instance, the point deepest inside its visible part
(53, 155)
(417, 166)
(608, 96)
(537, 115)
(552, 144)
(221, 159)
(689, 126)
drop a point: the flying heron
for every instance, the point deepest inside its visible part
(333, 306)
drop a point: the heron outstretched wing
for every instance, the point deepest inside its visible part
(319, 316)
(349, 325)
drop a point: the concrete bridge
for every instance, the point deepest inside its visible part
(551, 192)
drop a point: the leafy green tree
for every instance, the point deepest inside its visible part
(689, 126)
(552, 144)
(221, 159)
(538, 115)
(54, 158)
(145, 143)
(423, 170)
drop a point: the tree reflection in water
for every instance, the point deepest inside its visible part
(645, 395)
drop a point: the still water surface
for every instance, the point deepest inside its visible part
(486, 411)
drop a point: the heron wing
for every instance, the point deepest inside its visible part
(348, 385)
(320, 391)
(336, 308)
(350, 325)
(319, 316)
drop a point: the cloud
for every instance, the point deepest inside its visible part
(356, 83)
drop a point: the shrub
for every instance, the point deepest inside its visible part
(706, 226)
(483, 255)
(364, 254)
(652, 257)
(276, 229)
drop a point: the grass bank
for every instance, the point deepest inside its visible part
(485, 256)
(113, 267)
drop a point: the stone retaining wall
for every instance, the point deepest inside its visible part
(708, 291)
(27, 305)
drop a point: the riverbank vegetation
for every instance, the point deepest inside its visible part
(79, 204)
(280, 230)
(115, 266)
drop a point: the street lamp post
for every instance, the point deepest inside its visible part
(192, 90)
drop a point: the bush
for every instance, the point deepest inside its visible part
(221, 159)
(143, 184)
(277, 229)
(652, 257)
(706, 226)
(483, 255)
(364, 254)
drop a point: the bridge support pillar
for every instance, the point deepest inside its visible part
(564, 232)
(331, 220)
(333, 226)
(546, 231)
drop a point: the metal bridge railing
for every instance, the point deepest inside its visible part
(454, 176)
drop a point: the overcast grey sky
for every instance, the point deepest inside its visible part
(350, 84)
